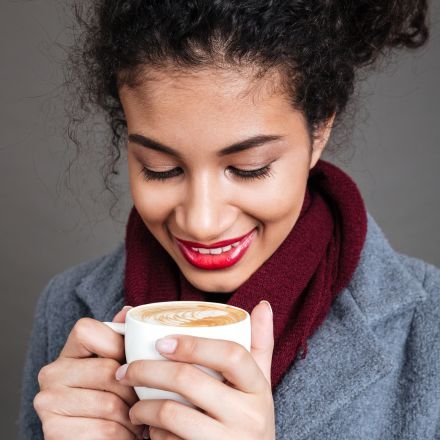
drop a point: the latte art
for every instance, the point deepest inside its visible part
(197, 315)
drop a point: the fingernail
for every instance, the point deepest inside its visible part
(166, 345)
(127, 307)
(268, 305)
(120, 372)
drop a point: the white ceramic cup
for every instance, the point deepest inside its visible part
(141, 336)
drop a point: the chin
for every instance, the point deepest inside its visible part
(219, 282)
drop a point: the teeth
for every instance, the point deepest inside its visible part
(215, 251)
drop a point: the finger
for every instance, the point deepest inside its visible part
(180, 377)
(90, 337)
(120, 316)
(89, 373)
(176, 418)
(73, 428)
(92, 404)
(229, 358)
(262, 341)
(162, 434)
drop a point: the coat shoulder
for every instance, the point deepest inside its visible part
(91, 289)
(428, 276)
(431, 281)
(387, 283)
(63, 286)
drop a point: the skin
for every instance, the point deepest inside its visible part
(79, 395)
(87, 392)
(192, 113)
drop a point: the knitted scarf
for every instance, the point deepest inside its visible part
(300, 280)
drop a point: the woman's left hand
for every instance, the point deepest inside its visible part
(241, 408)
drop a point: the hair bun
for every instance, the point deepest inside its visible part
(371, 26)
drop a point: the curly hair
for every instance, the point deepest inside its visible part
(318, 45)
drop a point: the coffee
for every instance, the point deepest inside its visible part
(190, 315)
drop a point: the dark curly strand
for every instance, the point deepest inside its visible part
(317, 44)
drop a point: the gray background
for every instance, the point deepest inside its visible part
(46, 227)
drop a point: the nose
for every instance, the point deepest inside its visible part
(205, 213)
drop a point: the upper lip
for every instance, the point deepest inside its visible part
(218, 244)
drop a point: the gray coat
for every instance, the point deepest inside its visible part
(372, 371)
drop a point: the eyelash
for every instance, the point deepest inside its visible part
(259, 173)
(160, 175)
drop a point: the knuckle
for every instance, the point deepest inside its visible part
(235, 354)
(51, 374)
(108, 368)
(48, 373)
(190, 345)
(41, 401)
(184, 374)
(82, 329)
(111, 405)
(44, 375)
(167, 412)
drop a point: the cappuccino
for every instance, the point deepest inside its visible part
(190, 314)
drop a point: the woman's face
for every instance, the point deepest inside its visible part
(218, 166)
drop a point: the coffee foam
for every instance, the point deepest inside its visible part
(194, 315)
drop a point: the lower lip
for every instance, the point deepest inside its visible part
(220, 261)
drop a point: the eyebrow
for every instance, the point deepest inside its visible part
(255, 141)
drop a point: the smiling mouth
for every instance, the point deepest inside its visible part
(218, 255)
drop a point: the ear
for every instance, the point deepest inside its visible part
(320, 139)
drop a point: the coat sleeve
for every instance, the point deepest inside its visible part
(36, 358)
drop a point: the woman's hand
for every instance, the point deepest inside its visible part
(79, 396)
(240, 409)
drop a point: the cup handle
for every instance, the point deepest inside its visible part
(116, 327)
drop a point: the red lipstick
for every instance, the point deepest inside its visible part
(219, 255)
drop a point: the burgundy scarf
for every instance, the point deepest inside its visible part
(300, 280)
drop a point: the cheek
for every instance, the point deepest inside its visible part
(279, 201)
(154, 201)
(154, 205)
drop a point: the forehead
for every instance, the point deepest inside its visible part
(208, 109)
(159, 88)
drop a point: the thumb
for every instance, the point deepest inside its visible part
(262, 341)
(120, 316)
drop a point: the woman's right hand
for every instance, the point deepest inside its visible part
(79, 396)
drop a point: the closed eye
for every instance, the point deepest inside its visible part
(258, 173)
(161, 175)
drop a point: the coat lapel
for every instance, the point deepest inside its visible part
(345, 356)
(102, 291)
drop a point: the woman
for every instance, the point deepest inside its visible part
(225, 108)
